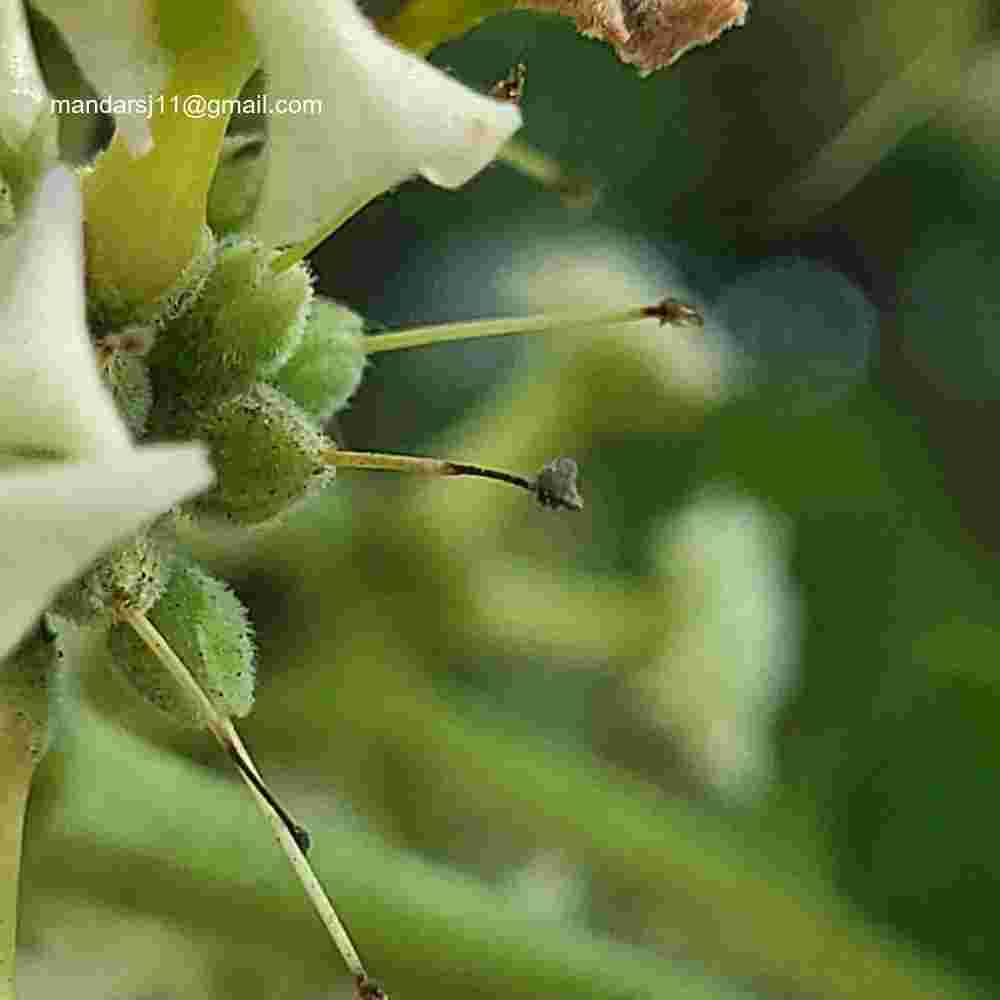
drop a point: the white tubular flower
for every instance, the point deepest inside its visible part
(71, 481)
(386, 115)
(115, 43)
(27, 127)
(21, 84)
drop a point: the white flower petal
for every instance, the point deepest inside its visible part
(115, 44)
(51, 396)
(23, 96)
(58, 518)
(386, 115)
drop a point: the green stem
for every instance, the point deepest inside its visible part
(669, 311)
(576, 189)
(225, 733)
(417, 465)
(17, 764)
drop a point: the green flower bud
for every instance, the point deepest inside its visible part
(244, 326)
(326, 368)
(268, 456)
(265, 324)
(134, 574)
(240, 266)
(238, 179)
(31, 680)
(208, 628)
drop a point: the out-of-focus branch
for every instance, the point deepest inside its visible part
(746, 908)
(208, 865)
(530, 609)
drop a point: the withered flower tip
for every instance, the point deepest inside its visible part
(556, 487)
(369, 989)
(673, 312)
(511, 87)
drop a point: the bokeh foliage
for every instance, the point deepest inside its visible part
(445, 674)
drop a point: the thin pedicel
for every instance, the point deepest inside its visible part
(293, 838)
(554, 487)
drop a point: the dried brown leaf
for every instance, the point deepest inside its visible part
(649, 34)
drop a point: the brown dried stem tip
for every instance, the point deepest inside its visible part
(511, 87)
(649, 34)
(369, 989)
(675, 313)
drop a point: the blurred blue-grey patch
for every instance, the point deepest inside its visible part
(806, 333)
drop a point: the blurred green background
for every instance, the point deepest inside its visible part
(732, 731)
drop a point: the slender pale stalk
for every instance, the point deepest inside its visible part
(576, 190)
(293, 850)
(553, 487)
(17, 764)
(418, 466)
(291, 843)
(669, 312)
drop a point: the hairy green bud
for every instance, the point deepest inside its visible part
(268, 456)
(133, 575)
(208, 628)
(265, 324)
(244, 326)
(30, 684)
(326, 367)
